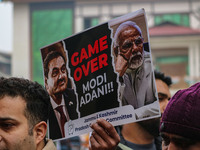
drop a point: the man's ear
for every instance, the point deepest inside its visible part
(46, 85)
(116, 49)
(39, 132)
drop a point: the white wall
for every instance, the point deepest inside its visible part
(6, 26)
(106, 10)
(21, 43)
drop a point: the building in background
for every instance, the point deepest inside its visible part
(174, 27)
(176, 51)
(5, 64)
(5, 38)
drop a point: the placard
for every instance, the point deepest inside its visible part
(103, 72)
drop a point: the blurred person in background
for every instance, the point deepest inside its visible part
(163, 84)
(144, 135)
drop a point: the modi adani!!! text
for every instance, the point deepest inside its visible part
(96, 87)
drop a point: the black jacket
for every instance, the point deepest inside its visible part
(71, 104)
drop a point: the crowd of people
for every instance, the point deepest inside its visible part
(24, 109)
(25, 106)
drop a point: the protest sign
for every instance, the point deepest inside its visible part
(103, 72)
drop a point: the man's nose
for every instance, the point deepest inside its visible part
(135, 48)
(60, 75)
(172, 146)
(163, 105)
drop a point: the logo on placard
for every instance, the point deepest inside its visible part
(71, 128)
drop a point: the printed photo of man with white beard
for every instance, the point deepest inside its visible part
(134, 67)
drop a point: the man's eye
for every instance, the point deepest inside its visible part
(6, 126)
(127, 45)
(160, 98)
(138, 41)
(63, 69)
(54, 73)
(184, 143)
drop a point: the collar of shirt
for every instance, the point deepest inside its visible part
(54, 105)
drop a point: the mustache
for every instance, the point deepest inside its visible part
(136, 54)
(60, 80)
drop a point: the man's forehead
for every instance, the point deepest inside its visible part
(12, 106)
(56, 61)
(8, 97)
(128, 32)
(162, 87)
(130, 29)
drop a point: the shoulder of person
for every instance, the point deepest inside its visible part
(69, 91)
(50, 145)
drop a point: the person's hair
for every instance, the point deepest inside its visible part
(121, 27)
(51, 55)
(35, 96)
(161, 76)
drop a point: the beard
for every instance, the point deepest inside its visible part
(151, 126)
(136, 60)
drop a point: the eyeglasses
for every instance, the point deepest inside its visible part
(128, 44)
(139, 40)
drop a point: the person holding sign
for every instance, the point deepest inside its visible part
(134, 67)
(24, 110)
(62, 98)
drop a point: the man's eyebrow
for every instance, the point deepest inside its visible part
(63, 65)
(55, 69)
(6, 119)
(126, 40)
(162, 94)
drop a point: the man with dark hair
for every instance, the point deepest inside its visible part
(144, 135)
(62, 98)
(23, 114)
(180, 125)
(24, 107)
(163, 83)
